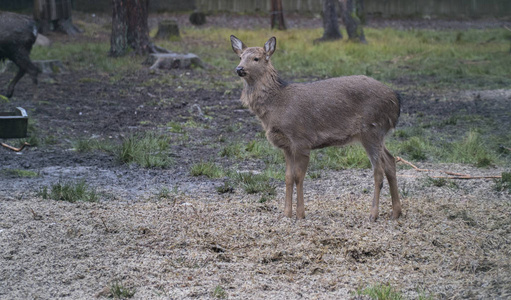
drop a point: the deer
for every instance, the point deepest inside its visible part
(300, 117)
(17, 36)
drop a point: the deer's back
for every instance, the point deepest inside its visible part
(16, 30)
(333, 112)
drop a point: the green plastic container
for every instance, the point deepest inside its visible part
(13, 124)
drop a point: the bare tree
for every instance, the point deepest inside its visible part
(130, 29)
(277, 15)
(350, 11)
(330, 22)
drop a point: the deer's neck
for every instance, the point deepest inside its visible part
(262, 96)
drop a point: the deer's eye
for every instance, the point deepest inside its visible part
(256, 59)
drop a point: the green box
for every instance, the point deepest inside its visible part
(13, 124)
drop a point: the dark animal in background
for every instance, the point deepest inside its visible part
(299, 117)
(17, 36)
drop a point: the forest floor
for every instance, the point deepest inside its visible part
(161, 233)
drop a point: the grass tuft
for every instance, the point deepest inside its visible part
(256, 183)
(148, 150)
(88, 145)
(380, 292)
(219, 293)
(18, 173)
(503, 184)
(69, 191)
(472, 150)
(414, 148)
(119, 291)
(208, 169)
(351, 156)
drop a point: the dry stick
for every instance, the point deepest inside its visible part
(15, 149)
(453, 175)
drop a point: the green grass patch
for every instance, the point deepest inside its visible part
(380, 292)
(89, 55)
(88, 145)
(69, 191)
(415, 148)
(340, 158)
(219, 293)
(257, 149)
(175, 127)
(18, 173)
(209, 169)
(119, 291)
(434, 58)
(438, 58)
(472, 150)
(503, 184)
(256, 183)
(148, 150)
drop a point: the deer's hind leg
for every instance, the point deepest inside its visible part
(390, 173)
(374, 150)
(22, 60)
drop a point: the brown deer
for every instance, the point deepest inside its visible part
(300, 117)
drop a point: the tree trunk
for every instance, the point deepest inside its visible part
(138, 30)
(119, 36)
(330, 22)
(54, 15)
(277, 15)
(351, 20)
(130, 29)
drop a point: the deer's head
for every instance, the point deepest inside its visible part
(254, 61)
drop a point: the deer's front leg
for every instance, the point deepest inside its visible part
(288, 204)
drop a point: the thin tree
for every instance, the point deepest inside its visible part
(350, 13)
(330, 22)
(277, 15)
(130, 29)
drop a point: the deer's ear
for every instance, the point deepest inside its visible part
(269, 47)
(237, 45)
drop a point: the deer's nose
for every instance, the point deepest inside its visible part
(241, 72)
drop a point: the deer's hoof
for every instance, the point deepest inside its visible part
(373, 216)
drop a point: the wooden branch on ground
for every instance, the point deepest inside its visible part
(452, 175)
(14, 148)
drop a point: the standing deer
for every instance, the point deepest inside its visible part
(300, 117)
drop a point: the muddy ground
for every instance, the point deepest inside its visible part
(452, 242)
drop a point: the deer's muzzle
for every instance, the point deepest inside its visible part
(241, 72)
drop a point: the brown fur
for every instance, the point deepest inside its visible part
(300, 117)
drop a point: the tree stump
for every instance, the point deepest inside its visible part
(169, 61)
(42, 40)
(168, 29)
(45, 66)
(198, 18)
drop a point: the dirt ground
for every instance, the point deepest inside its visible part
(452, 242)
